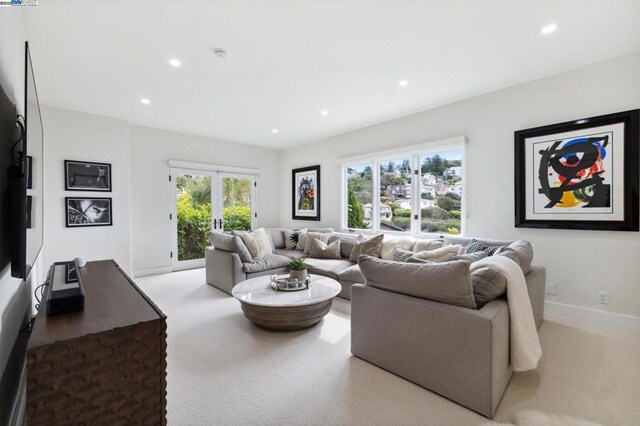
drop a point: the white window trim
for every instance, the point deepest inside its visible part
(414, 152)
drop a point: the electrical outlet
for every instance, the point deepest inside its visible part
(602, 297)
(551, 289)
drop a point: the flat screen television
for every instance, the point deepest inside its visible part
(33, 166)
(21, 166)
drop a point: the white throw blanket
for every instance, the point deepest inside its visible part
(523, 340)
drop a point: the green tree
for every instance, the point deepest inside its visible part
(435, 165)
(453, 196)
(355, 214)
(194, 225)
(390, 179)
(447, 203)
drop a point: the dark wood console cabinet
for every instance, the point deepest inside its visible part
(104, 365)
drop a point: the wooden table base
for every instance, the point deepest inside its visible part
(287, 318)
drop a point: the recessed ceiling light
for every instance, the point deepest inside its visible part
(548, 29)
(324, 112)
(403, 83)
(274, 131)
(145, 101)
(175, 63)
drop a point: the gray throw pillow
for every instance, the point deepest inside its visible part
(448, 282)
(418, 260)
(231, 243)
(311, 235)
(400, 255)
(370, 246)
(471, 257)
(488, 284)
(320, 250)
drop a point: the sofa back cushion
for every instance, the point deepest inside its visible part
(488, 284)
(347, 242)
(231, 243)
(448, 282)
(277, 237)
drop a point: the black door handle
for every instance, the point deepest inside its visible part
(215, 224)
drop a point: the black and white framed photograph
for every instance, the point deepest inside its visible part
(81, 212)
(87, 176)
(581, 174)
(28, 171)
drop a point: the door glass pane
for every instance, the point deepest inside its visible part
(359, 196)
(193, 206)
(236, 202)
(395, 195)
(441, 192)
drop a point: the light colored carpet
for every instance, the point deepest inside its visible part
(222, 370)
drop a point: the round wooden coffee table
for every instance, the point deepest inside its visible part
(286, 310)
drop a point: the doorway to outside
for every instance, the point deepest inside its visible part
(206, 201)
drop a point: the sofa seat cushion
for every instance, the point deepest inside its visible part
(264, 263)
(328, 267)
(353, 274)
(448, 282)
(291, 254)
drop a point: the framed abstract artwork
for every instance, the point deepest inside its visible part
(87, 176)
(305, 193)
(581, 174)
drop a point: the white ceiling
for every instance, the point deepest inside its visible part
(290, 59)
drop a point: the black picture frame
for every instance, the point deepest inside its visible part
(96, 177)
(71, 275)
(81, 212)
(29, 210)
(618, 194)
(298, 212)
(29, 171)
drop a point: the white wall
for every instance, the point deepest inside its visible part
(150, 153)
(579, 262)
(76, 136)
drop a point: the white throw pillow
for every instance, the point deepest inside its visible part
(390, 242)
(443, 254)
(290, 239)
(258, 242)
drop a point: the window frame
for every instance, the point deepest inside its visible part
(415, 153)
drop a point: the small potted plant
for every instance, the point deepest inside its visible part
(298, 269)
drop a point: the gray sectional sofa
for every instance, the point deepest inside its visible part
(457, 352)
(228, 263)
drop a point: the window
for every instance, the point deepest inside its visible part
(417, 191)
(441, 192)
(359, 196)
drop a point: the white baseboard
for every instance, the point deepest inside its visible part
(578, 312)
(152, 271)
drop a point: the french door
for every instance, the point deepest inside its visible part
(205, 201)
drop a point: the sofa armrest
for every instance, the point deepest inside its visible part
(223, 269)
(460, 353)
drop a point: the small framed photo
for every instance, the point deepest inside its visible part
(28, 165)
(305, 195)
(87, 176)
(581, 174)
(72, 273)
(81, 212)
